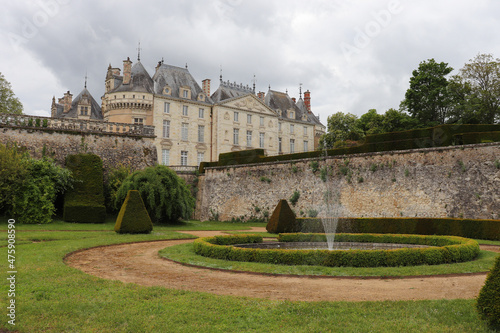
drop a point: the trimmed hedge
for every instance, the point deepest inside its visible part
(438, 136)
(475, 137)
(488, 301)
(445, 249)
(133, 217)
(85, 202)
(282, 219)
(478, 229)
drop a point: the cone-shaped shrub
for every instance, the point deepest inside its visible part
(282, 219)
(133, 217)
(488, 302)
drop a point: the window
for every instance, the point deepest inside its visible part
(201, 133)
(138, 121)
(261, 140)
(184, 131)
(236, 116)
(165, 156)
(185, 93)
(201, 113)
(249, 118)
(166, 128)
(184, 110)
(236, 133)
(279, 127)
(280, 146)
(84, 110)
(291, 129)
(143, 97)
(292, 146)
(201, 157)
(292, 114)
(305, 130)
(261, 121)
(166, 107)
(306, 146)
(184, 157)
(249, 138)
(133, 96)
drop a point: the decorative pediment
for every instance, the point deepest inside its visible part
(249, 103)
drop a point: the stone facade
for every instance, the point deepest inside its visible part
(436, 182)
(116, 144)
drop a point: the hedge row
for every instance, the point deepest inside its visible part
(481, 137)
(438, 136)
(478, 229)
(451, 250)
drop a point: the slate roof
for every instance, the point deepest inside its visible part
(229, 90)
(277, 100)
(95, 109)
(176, 77)
(140, 80)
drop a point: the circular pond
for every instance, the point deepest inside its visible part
(324, 246)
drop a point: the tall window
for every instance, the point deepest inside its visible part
(236, 134)
(292, 146)
(201, 157)
(201, 113)
(166, 107)
(184, 157)
(166, 128)
(184, 131)
(280, 146)
(185, 93)
(249, 118)
(201, 133)
(249, 138)
(279, 127)
(165, 156)
(261, 140)
(261, 121)
(236, 116)
(305, 130)
(291, 128)
(306, 146)
(184, 110)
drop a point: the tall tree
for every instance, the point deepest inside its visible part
(482, 75)
(9, 103)
(371, 122)
(397, 120)
(427, 99)
(341, 127)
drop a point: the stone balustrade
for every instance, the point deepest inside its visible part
(75, 125)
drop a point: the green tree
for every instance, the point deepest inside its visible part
(371, 122)
(428, 99)
(12, 173)
(341, 127)
(397, 120)
(166, 195)
(480, 79)
(9, 103)
(113, 182)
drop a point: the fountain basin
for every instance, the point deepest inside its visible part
(342, 246)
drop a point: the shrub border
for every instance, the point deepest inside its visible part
(443, 250)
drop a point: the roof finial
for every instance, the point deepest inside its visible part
(139, 52)
(286, 91)
(300, 90)
(85, 86)
(269, 86)
(186, 65)
(220, 73)
(254, 80)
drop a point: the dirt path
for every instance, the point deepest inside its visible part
(139, 263)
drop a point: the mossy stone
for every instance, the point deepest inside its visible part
(133, 217)
(282, 219)
(488, 302)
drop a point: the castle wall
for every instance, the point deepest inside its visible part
(436, 182)
(116, 144)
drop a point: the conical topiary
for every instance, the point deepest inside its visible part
(133, 217)
(282, 219)
(488, 302)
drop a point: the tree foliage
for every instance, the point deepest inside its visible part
(113, 182)
(166, 195)
(342, 127)
(428, 98)
(9, 103)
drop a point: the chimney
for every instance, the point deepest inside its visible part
(127, 69)
(53, 108)
(206, 87)
(261, 95)
(294, 100)
(307, 100)
(68, 98)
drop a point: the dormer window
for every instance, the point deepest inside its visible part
(201, 97)
(292, 114)
(185, 94)
(167, 91)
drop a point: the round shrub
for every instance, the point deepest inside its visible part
(166, 196)
(133, 217)
(444, 249)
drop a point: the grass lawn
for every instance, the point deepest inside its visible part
(52, 297)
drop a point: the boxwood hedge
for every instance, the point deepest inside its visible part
(443, 249)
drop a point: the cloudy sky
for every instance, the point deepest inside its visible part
(352, 55)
